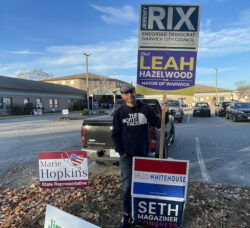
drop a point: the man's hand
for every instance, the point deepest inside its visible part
(123, 156)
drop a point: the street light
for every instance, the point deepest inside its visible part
(216, 70)
(87, 77)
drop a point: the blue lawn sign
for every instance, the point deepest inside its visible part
(159, 189)
(157, 212)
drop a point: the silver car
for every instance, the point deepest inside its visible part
(177, 107)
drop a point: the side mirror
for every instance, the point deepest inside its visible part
(172, 112)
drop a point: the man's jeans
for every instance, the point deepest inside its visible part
(126, 176)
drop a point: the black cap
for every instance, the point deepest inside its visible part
(127, 87)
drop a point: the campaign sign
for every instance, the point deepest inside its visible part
(157, 212)
(160, 178)
(169, 26)
(159, 189)
(56, 218)
(163, 71)
(168, 44)
(63, 169)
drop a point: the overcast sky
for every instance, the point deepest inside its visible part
(52, 35)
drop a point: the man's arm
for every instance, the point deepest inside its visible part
(117, 134)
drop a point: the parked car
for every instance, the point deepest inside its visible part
(220, 109)
(96, 135)
(202, 109)
(237, 111)
(177, 107)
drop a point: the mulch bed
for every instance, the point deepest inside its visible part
(207, 205)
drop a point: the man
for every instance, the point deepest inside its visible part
(131, 138)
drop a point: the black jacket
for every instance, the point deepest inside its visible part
(131, 133)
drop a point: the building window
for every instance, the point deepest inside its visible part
(72, 82)
(214, 99)
(53, 103)
(1, 103)
(221, 99)
(25, 100)
(38, 100)
(7, 102)
(201, 99)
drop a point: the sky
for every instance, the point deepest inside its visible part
(53, 35)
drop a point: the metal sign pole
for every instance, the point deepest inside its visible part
(163, 120)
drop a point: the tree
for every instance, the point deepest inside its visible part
(35, 74)
(243, 89)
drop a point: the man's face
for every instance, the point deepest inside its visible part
(129, 97)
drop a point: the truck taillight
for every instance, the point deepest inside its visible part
(153, 138)
(84, 141)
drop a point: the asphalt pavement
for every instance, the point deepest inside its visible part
(218, 149)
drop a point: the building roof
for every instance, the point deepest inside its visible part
(209, 89)
(11, 83)
(82, 76)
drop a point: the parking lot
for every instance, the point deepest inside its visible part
(218, 149)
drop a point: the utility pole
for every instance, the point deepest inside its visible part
(87, 77)
(216, 71)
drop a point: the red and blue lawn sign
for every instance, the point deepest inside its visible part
(157, 212)
(63, 169)
(159, 188)
(160, 178)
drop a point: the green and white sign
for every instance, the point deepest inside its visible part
(56, 218)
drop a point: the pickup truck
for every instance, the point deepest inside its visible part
(96, 136)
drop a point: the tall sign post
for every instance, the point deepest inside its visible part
(167, 51)
(167, 54)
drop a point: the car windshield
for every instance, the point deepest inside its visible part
(173, 103)
(242, 105)
(202, 105)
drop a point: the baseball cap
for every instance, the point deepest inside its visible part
(127, 87)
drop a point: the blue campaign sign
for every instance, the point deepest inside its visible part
(157, 212)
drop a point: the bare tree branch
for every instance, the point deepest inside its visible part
(35, 74)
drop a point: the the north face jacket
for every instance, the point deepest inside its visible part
(131, 129)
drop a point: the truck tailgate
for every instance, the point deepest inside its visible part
(98, 133)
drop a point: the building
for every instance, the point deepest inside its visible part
(103, 91)
(18, 95)
(207, 94)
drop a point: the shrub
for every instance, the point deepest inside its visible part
(85, 112)
(16, 110)
(28, 109)
(101, 111)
